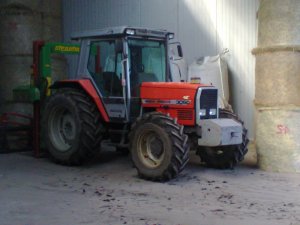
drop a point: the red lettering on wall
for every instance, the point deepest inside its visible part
(282, 129)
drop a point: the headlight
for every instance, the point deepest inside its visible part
(130, 31)
(171, 36)
(202, 112)
(213, 112)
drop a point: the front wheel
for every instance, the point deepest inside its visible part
(159, 148)
(225, 157)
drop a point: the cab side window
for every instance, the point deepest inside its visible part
(105, 67)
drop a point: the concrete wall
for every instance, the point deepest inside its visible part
(204, 27)
(22, 22)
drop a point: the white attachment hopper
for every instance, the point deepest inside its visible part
(212, 70)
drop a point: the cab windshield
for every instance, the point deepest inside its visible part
(147, 60)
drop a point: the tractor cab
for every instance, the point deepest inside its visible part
(118, 61)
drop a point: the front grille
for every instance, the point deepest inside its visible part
(209, 100)
(184, 114)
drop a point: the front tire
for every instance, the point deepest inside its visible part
(225, 157)
(72, 127)
(159, 148)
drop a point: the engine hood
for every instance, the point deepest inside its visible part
(176, 85)
(169, 94)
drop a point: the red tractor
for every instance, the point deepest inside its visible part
(123, 93)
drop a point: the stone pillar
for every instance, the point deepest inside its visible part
(277, 83)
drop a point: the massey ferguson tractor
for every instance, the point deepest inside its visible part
(123, 93)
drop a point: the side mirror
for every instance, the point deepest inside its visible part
(119, 46)
(175, 51)
(179, 49)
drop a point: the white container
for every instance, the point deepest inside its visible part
(212, 70)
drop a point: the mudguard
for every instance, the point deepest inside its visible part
(88, 87)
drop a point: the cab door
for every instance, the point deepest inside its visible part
(147, 63)
(105, 66)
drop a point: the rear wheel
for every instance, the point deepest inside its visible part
(158, 146)
(72, 127)
(225, 157)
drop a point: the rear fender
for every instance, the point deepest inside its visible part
(88, 87)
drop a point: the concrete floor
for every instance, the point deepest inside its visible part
(108, 192)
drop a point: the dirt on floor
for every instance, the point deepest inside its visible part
(108, 192)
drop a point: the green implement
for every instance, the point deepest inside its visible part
(36, 90)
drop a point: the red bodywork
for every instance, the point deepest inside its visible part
(177, 99)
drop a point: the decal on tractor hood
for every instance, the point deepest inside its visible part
(166, 102)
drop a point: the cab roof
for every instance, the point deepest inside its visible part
(121, 31)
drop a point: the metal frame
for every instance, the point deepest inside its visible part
(121, 30)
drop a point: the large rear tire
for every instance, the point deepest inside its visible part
(72, 128)
(159, 148)
(225, 157)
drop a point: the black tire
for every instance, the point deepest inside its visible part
(225, 157)
(158, 146)
(71, 127)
